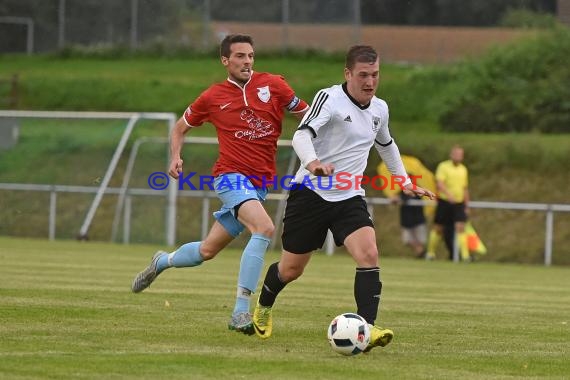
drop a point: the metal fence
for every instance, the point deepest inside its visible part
(127, 193)
(132, 118)
(48, 25)
(280, 25)
(205, 196)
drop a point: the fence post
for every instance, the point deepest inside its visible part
(127, 220)
(172, 196)
(356, 34)
(329, 244)
(205, 216)
(455, 252)
(548, 236)
(52, 213)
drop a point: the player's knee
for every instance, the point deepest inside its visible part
(290, 273)
(266, 229)
(208, 252)
(368, 257)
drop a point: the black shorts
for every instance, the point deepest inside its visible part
(449, 213)
(308, 217)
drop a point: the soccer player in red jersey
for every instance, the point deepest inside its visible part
(247, 111)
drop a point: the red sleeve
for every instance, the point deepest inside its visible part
(287, 97)
(197, 112)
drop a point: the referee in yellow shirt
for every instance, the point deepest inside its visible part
(452, 202)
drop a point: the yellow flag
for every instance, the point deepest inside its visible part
(474, 242)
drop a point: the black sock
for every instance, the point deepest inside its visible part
(367, 290)
(272, 285)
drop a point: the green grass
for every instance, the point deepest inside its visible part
(170, 84)
(67, 312)
(142, 83)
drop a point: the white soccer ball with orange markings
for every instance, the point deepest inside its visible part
(348, 334)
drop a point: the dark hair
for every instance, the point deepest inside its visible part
(225, 45)
(360, 53)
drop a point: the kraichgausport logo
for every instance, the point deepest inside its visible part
(338, 181)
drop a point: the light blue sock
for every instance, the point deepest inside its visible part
(187, 255)
(250, 270)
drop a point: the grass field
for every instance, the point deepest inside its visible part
(67, 312)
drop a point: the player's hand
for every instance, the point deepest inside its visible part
(412, 190)
(319, 169)
(175, 167)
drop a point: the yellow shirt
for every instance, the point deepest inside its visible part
(454, 177)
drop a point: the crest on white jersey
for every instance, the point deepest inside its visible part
(263, 94)
(376, 121)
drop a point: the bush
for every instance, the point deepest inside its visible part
(523, 87)
(525, 18)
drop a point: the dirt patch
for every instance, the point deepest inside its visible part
(395, 43)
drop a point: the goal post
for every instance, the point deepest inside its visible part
(133, 118)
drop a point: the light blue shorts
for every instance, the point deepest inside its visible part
(233, 189)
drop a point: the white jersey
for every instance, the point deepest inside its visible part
(343, 132)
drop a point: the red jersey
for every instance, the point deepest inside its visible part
(248, 122)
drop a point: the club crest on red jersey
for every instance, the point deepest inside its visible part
(263, 94)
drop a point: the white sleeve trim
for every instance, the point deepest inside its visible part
(304, 146)
(187, 124)
(303, 110)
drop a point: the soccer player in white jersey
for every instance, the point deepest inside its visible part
(333, 142)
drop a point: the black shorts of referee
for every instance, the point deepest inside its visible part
(449, 213)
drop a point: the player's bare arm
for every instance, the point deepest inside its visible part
(299, 115)
(176, 142)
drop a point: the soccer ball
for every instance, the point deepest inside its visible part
(348, 334)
